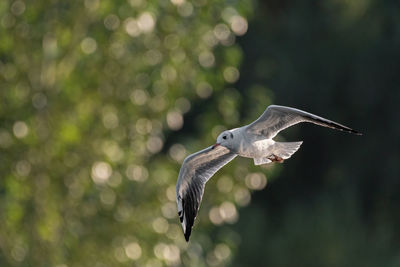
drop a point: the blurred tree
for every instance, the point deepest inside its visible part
(92, 95)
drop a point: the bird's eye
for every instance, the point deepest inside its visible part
(224, 137)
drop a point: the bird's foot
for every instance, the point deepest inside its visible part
(275, 158)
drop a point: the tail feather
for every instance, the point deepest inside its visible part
(286, 149)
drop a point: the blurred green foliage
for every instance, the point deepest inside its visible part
(100, 101)
(92, 93)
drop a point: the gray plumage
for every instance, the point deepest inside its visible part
(196, 170)
(277, 118)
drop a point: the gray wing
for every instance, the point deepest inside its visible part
(277, 118)
(196, 170)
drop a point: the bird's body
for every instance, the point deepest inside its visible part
(251, 141)
(256, 148)
(250, 145)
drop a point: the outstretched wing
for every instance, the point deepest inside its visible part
(196, 170)
(277, 118)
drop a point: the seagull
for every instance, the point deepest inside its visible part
(251, 141)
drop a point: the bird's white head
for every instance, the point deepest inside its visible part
(225, 139)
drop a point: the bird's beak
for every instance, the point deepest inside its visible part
(214, 146)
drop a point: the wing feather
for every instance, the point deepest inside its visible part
(277, 118)
(196, 170)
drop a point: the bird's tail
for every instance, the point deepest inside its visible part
(286, 149)
(283, 150)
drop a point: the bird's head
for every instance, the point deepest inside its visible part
(225, 139)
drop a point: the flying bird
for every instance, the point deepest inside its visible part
(251, 141)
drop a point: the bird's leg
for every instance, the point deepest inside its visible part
(275, 158)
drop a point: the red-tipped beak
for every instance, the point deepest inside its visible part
(214, 146)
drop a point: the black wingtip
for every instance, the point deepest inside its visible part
(345, 129)
(332, 124)
(355, 132)
(187, 234)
